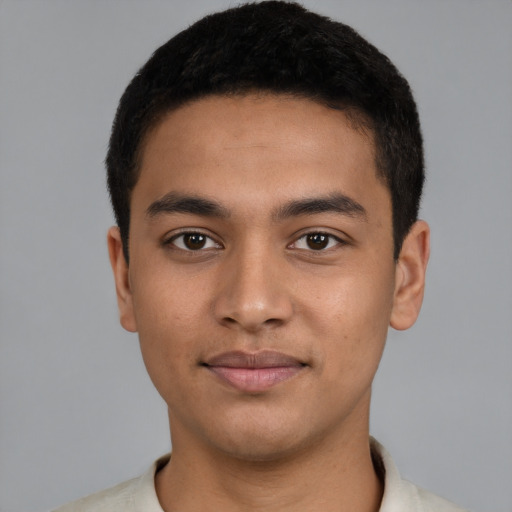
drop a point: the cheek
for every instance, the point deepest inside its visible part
(351, 316)
(165, 302)
(351, 304)
(169, 320)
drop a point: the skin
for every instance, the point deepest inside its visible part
(256, 284)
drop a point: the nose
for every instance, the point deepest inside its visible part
(253, 292)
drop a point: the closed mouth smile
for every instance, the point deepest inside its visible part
(254, 372)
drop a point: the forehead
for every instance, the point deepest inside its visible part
(266, 145)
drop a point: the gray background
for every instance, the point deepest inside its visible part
(78, 412)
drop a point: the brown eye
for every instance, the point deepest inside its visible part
(317, 241)
(194, 241)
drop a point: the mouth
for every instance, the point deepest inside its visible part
(254, 372)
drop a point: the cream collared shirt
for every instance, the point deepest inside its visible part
(139, 494)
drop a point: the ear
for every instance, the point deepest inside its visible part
(122, 280)
(410, 276)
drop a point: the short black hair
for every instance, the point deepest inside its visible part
(282, 48)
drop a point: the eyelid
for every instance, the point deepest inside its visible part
(170, 238)
(340, 240)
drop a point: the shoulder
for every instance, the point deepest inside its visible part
(425, 501)
(401, 495)
(135, 495)
(118, 498)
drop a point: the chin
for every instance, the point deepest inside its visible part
(262, 450)
(259, 442)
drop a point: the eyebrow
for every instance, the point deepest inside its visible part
(336, 203)
(178, 203)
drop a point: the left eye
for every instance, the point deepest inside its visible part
(193, 242)
(316, 241)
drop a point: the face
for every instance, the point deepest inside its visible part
(261, 278)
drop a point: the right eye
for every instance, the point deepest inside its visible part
(193, 241)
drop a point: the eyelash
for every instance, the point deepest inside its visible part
(209, 240)
(332, 241)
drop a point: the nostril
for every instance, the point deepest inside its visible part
(252, 325)
(273, 322)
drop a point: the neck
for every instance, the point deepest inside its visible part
(335, 475)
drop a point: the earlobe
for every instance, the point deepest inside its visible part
(121, 278)
(410, 276)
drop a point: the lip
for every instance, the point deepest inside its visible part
(254, 372)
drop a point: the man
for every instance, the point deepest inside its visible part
(265, 169)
